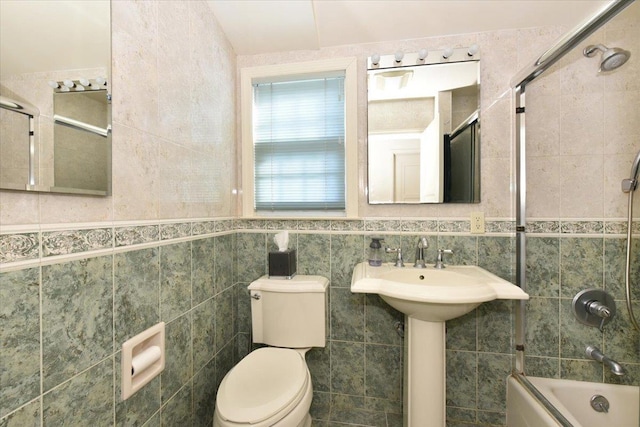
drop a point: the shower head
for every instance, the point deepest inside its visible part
(612, 58)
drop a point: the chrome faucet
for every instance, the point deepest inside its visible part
(595, 354)
(420, 247)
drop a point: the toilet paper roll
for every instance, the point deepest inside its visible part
(144, 359)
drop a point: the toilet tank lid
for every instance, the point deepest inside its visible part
(299, 283)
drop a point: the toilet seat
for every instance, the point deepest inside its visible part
(267, 382)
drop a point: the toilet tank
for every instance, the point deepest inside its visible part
(289, 312)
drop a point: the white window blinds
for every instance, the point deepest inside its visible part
(299, 150)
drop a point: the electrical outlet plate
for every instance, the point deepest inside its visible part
(477, 222)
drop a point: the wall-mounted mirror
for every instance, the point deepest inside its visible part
(424, 129)
(55, 104)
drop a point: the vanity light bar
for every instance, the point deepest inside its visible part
(78, 85)
(423, 57)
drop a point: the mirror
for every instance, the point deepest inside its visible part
(424, 131)
(55, 103)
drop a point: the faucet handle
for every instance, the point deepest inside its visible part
(399, 260)
(594, 307)
(440, 259)
(600, 310)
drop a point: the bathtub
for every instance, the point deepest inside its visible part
(572, 403)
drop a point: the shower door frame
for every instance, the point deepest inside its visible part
(518, 85)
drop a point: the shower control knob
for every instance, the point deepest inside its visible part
(594, 307)
(599, 309)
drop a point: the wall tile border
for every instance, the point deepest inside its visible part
(582, 227)
(543, 226)
(19, 247)
(74, 241)
(25, 248)
(175, 230)
(127, 236)
(24, 245)
(578, 227)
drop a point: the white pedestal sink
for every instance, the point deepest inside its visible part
(428, 297)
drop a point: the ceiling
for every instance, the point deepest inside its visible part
(38, 36)
(263, 26)
(55, 38)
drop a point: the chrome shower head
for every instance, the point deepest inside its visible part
(612, 58)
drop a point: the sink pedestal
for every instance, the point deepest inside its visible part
(429, 297)
(424, 373)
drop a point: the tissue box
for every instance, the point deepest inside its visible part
(282, 264)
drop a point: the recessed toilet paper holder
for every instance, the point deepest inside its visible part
(143, 358)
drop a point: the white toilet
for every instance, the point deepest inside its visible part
(271, 386)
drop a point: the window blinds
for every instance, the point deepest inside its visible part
(299, 153)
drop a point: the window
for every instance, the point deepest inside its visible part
(299, 143)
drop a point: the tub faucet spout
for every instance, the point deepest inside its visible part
(595, 354)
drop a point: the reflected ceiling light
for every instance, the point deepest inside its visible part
(399, 55)
(53, 84)
(473, 49)
(422, 54)
(79, 88)
(64, 89)
(447, 52)
(375, 59)
(394, 80)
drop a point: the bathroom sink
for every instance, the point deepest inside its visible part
(433, 295)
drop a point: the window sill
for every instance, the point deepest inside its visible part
(298, 215)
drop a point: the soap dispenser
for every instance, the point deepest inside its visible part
(375, 252)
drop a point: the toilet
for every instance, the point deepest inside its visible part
(271, 386)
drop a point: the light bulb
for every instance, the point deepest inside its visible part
(447, 52)
(53, 84)
(375, 59)
(101, 81)
(399, 55)
(69, 83)
(422, 54)
(85, 82)
(473, 49)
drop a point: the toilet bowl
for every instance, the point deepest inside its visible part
(270, 387)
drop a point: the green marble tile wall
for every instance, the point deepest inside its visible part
(63, 326)
(558, 267)
(357, 377)
(63, 321)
